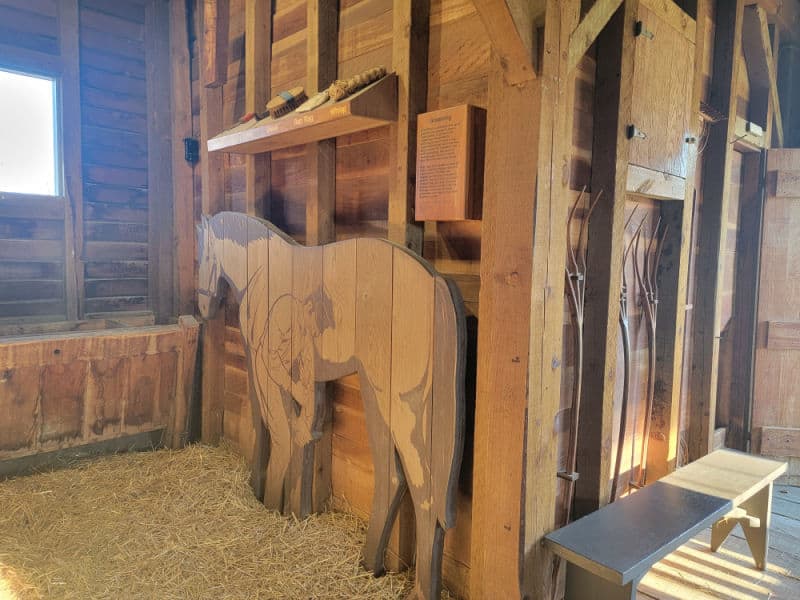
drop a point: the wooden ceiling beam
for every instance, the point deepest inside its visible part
(511, 25)
(589, 28)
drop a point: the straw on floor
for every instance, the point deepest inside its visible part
(172, 524)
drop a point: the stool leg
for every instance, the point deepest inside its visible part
(760, 505)
(583, 585)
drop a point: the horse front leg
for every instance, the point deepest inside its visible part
(303, 414)
(280, 453)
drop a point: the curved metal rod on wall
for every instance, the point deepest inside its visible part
(647, 280)
(626, 350)
(576, 272)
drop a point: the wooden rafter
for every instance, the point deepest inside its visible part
(511, 25)
(590, 27)
(757, 47)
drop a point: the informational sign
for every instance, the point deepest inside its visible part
(450, 164)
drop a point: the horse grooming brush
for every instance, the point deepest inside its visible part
(315, 101)
(286, 102)
(342, 88)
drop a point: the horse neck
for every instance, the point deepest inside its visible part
(233, 266)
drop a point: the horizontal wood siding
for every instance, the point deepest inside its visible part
(114, 150)
(111, 239)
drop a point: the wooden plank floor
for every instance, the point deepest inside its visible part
(693, 571)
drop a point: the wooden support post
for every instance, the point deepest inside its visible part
(512, 146)
(257, 60)
(511, 25)
(615, 56)
(662, 453)
(745, 304)
(182, 172)
(213, 201)
(69, 32)
(321, 60)
(712, 235)
(214, 69)
(322, 34)
(410, 63)
(557, 81)
(159, 164)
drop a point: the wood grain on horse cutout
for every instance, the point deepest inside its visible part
(309, 315)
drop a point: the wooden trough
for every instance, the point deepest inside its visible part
(91, 391)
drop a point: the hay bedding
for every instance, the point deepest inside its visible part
(172, 524)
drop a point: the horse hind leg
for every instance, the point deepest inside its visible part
(385, 507)
(430, 545)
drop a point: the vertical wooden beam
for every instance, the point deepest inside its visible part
(522, 260)
(182, 172)
(547, 296)
(257, 60)
(610, 153)
(410, 62)
(410, 30)
(70, 89)
(213, 201)
(321, 59)
(159, 165)
(214, 66)
(712, 236)
(745, 300)
(662, 453)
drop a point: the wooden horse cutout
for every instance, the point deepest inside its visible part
(314, 314)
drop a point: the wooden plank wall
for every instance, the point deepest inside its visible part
(459, 52)
(32, 230)
(109, 169)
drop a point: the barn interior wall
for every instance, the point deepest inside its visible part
(116, 181)
(116, 219)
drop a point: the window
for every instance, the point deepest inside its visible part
(28, 134)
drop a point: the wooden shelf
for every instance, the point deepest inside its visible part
(374, 106)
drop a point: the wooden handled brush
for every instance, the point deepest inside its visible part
(286, 102)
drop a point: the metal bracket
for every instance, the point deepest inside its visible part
(191, 150)
(640, 30)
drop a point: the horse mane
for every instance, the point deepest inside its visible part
(238, 228)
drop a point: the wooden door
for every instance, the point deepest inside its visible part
(662, 88)
(776, 395)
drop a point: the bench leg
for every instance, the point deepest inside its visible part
(583, 585)
(720, 531)
(760, 506)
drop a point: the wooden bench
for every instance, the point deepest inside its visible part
(610, 550)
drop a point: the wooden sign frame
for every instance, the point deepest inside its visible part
(450, 153)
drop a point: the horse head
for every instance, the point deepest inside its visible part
(209, 278)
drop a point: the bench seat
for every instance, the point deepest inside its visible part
(610, 550)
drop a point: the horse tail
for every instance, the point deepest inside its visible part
(447, 422)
